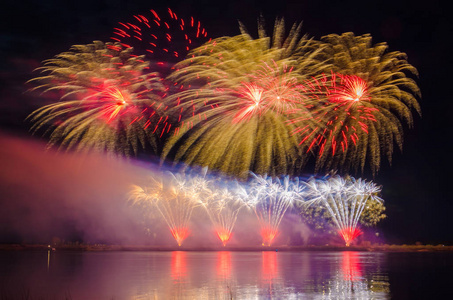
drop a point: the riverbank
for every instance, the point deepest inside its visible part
(102, 247)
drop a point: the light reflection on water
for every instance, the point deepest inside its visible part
(194, 275)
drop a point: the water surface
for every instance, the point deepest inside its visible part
(224, 275)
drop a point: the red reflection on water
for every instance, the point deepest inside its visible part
(270, 265)
(224, 264)
(178, 265)
(350, 266)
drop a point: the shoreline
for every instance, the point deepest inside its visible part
(282, 248)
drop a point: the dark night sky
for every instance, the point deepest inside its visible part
(416, 186)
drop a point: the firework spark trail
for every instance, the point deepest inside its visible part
(222, 207)
(109, 99)
(341, 109)
(270, 198)
(273, 88)
(345, 201)
(174, 196)
(244, 88)
(364, 103)
(165, 37)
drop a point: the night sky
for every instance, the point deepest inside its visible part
(416, 187)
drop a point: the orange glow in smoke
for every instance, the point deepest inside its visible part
(224, 235)
(349, 234)
(268, 234)
(180, 234)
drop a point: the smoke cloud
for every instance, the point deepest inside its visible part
(71, 196)
(49, 195)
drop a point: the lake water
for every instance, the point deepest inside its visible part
(225, 275)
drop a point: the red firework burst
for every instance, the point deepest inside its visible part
(341, 109)
(273, 89)
(252, 103)
(116, 103)
(119, 98)
(163, 37)
(351, 89)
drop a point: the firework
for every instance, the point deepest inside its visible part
(174, 196)
(110, 99)
(143, 200)
(270, 198)
(222, 206)
(164, 38)
(362, 104)
(234, 111)
(345, 201)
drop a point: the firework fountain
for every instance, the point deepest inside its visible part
(174, 196)
(344, 199)
(270, 198)
(223, 206)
